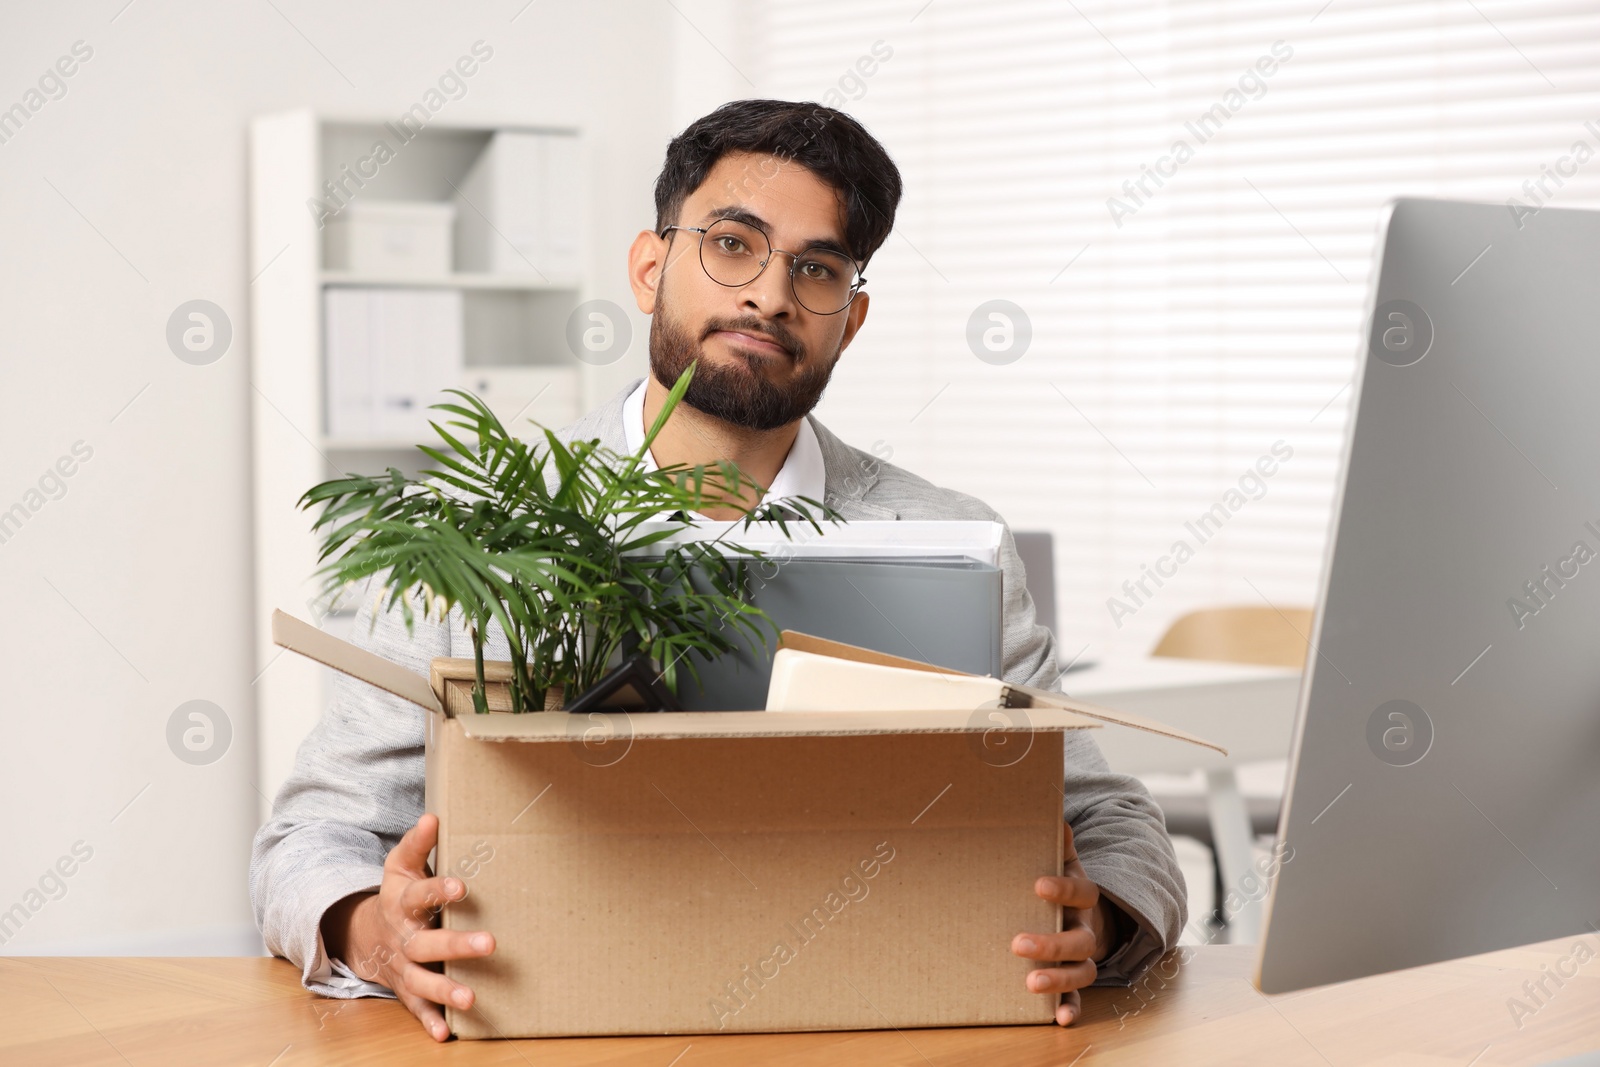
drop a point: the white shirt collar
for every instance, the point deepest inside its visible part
(802, 473)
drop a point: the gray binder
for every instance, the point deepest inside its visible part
(940, 610)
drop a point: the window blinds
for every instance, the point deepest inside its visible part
(1181, 199)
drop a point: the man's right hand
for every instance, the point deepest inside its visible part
(388, 937)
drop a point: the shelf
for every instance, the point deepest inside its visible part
(505, 282)
(510, 319)
(374, 444)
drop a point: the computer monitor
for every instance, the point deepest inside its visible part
(1443, 796)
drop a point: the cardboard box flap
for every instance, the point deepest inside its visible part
(1037, 700)
(839, 650)
(1046, 711)
(302, 637)
(1017, 696)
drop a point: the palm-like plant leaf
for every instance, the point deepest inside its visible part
(544, 543)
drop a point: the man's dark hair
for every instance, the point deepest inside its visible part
(829, 143)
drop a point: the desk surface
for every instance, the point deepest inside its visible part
(1196, 1007)
(1142, 673)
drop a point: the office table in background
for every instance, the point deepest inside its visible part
(1249, 710)
(1196, 1007)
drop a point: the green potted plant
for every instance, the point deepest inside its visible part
(550, 541)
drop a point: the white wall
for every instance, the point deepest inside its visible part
(1173, 347)
(131, 593)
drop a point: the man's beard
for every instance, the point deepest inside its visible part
(741, 396)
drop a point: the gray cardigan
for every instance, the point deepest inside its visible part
(357, 783)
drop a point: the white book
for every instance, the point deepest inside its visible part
(440, 361)
(562, 207)
(498, 217)
(417, 347)
(519, 207)
(347, 362)
(393, 332)
(806, 681)
(517, 203)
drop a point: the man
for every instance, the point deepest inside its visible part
(765, 211)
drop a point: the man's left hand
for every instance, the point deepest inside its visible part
(1068, 958)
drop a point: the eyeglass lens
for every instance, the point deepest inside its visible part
(733, 253)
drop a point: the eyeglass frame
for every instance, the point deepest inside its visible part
(794, 258)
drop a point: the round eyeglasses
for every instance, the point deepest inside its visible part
(735, 253)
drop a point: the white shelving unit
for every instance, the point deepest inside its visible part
(509, 320)
(461, 280)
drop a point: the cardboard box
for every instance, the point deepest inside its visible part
(722, 872)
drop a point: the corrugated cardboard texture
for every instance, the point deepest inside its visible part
(722, 885)
(300, 636)
(560, 726)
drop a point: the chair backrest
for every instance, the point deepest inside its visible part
(1277, 637)
(1037, 549)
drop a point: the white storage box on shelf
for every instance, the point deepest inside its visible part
(406, 238)
(547, 395)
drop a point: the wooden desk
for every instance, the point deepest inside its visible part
(172, 1012)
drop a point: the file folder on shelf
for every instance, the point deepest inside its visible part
(390, 353)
